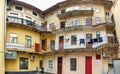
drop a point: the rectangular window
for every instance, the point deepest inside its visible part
(23, 63)
(44, 44)
(97, 34)
(63, 11)
(51, 64)
(28, 41)
(73, 39)
(73, 64)
(98, 56)
(13, 38)
(74, 22)
(97, 20)
(62, 24)
(18, 8)
(34, 13)
(97, 10)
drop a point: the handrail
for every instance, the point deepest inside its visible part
(26, 22)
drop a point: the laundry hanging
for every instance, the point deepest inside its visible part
(82, 41)
(100, 39)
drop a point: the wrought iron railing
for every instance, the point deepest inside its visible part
(26, 23)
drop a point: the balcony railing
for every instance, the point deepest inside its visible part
(15, 46)
(108, 41)
(25, 22)
(85, 25)
(75, 11)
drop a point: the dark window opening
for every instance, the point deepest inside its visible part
(62, 24)
(73, 39)
(73, 64)
(98, 56)
(18, 8)
(34, 13)
(63, 11)
(23, 63)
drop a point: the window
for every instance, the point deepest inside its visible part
(63, 11)
(97, 10)
(97, 34)
(40, 64)
(97, 20)
(13, 38)
(74, 22)
(23, 63)
(44, 44)
(74, 39)
(62, 24)
(14, 17)
(28, 18)
(34, 13)
(73, 64)
(51, 64)
(18, 8)
(28, 41)
(98, 56)
(107, 13)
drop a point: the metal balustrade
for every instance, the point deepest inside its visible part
(109, 40)
(26, 23)
(15, 46)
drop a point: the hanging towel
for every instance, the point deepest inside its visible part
(91, 41)
(82, 41)
(95, 40)
(100, 39)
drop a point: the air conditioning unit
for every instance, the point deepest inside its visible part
(32, 57)
(106, 54)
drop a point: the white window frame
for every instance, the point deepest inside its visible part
(13, 38)
(97, 10)
(74, 22)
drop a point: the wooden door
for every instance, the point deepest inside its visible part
(59, 69)
(61, 42)
(88, 65)
(88, 38)
(40, 64)
(89, 21)
(44, 44)
(37, 47)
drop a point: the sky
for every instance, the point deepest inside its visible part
(42, 4)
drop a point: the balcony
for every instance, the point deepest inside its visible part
(22, 48)
(75, 11)
(20, 22)
(109, 43)
(86, 25)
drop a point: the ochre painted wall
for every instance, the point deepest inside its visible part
(14, 65)
(35, 37)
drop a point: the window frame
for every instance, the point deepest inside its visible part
(26, 63)
(97, 20)
(74, 22)
(36, 14)
(29, 40)
(97, 10)
(18, 9)
(51, 64)
(72, 40)
(14, 38)
(73, 64)
(97, 34)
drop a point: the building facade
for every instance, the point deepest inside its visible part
(85, 40)
(73, 36)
